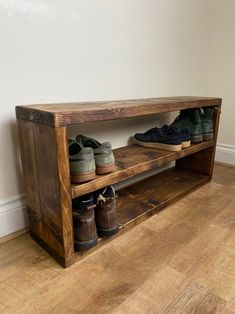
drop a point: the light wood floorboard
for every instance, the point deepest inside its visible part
(179, 261)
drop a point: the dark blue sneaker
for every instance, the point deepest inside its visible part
(184, 134)
(159, 138)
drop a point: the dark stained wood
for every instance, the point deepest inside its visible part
(61, 143)
(58, 115)
(203, 161)
(45, 164)
(144, 199)
(132, 160)
(30, 172)
(47, 247)
(47, 182)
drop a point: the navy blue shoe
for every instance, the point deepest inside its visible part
(159, 138)
(184, 134)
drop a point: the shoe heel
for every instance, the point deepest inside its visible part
(82, 246)
(186, 144)
(107, 232)
(80, 178)
(105, 169)
(208, 137)
(196, 139)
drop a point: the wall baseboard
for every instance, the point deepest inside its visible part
(13, 235)
(225, 154)
(12, 215)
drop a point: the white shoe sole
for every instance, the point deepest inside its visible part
(173, 148)
(186, 144)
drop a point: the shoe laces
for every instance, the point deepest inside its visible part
(151, 130)
(170, 130)
(101, 198)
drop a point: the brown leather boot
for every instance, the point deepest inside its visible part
(85, 234)
(105, 212)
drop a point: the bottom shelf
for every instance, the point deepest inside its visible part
(145, 198)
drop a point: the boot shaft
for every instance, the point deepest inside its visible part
(207, 123)
(105, 213)
(207, 114)
(85, 233)
(192, 114)
(190, 119)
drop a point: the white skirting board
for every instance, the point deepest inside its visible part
(225, 154)
(12, 215)
(13, 212)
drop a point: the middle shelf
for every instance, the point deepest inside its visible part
(132, 160)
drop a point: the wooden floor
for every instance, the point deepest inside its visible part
(179, 261)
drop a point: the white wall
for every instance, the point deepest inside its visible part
(52, 51)
(221, 73)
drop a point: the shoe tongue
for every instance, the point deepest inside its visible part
(171, 129)
(108, 192)
(74, 147)
(92, 144)
(88, 142)
(201, 110)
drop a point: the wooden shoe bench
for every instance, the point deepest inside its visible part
(45, 163)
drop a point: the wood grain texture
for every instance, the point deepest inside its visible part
(44, 151)
(61, 142)
(58, 115)
(144, 199)
(169, 292)
(179, 261)
(132, 160)
(47, 183)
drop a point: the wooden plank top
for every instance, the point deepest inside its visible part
(62, 114)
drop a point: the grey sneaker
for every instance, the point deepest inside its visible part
(104, 158)
(81, 161)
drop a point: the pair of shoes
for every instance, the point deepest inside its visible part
(199, 122)
(191, 126)
(93, 215)
(167, 138)
(88, 157)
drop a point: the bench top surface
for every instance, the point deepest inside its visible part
(62, 114)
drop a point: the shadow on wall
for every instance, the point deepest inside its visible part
(119, 132)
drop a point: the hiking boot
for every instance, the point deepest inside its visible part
(81, 161)
(103, 154)
(182, 133)
(85, 234)
(157, 138)
(105, 212)
(207, 123)
(190, 119)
